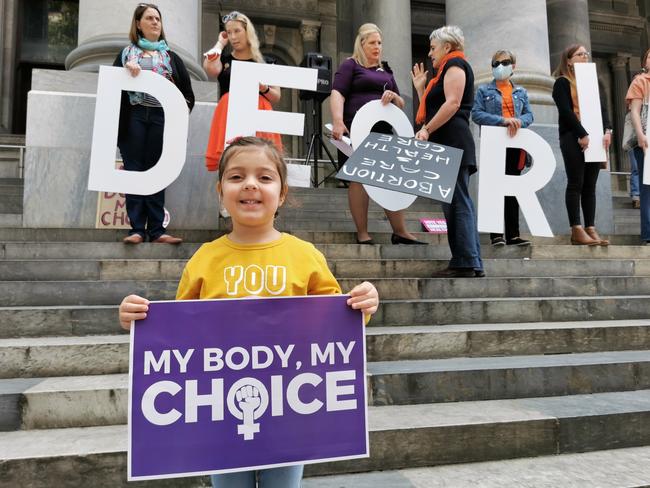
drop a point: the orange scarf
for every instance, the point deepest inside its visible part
(422, 110)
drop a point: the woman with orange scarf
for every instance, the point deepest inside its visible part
(444, 112)
(244, 46)
(574, 139)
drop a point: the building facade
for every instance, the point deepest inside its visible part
(79, 35)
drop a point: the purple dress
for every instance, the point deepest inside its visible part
(360, 85)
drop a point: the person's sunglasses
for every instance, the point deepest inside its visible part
(584, 54)
(148, 5)
(234, 15)
(505, 62)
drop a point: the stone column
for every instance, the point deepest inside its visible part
(309, 30)
(104, 31)
(619, 67)
(8, 25)
(395, 24)
(525, 35)
(568, 22)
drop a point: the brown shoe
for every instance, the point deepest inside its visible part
(636, 203)
(457, 273)
(133, 239)
(591, 232)
(167, 239)
(580, 238)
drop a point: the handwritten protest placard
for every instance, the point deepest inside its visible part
(406, 165)
(231, 385)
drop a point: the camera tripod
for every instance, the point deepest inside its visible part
(316, 144)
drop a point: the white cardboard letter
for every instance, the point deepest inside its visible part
(102, 175)
(244, 118)
(494, 184)
(590, 115)
(366, 117)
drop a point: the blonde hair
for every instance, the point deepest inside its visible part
(251, 35)
(451, 34)
(365, 31)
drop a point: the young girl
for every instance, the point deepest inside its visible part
(252, 185)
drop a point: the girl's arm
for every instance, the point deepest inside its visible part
(364, 297)
(454, 86)
(132, 307)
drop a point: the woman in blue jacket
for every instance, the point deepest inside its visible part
(502, 103)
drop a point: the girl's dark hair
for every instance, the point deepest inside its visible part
(134, 33)
(272, 152)
(563, 68)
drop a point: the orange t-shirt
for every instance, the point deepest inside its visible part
(639, 88)
(507, 106)
(508, 111)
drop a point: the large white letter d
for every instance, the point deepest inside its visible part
(103, 176)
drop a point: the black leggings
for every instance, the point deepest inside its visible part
(581, 181)
(511, 205)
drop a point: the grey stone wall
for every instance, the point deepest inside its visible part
(60, 118)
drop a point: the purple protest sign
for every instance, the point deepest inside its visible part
(230, 385)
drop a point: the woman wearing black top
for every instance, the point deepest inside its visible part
(142, 119)
(574, 139)
(244, 46)
(444, 111)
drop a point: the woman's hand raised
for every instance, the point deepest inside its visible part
(419, 77)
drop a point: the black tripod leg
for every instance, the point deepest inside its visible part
(310, 153)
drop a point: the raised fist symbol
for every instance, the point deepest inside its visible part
(248, 400)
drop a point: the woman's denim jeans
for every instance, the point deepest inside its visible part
(462, 232)
(644, 195)
(285, 477)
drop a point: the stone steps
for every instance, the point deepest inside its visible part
(623, 468)
(64, 355)
(100, 292)
(497, 378)
(548, 355)
(400, 437)
(170, 269)
(97, 319)
(16, 250)
(11, 195)
(75, 401)
(95, 292)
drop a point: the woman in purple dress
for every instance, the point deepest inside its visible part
(360, 79)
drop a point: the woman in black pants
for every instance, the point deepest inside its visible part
(142, 120)
(574, 139)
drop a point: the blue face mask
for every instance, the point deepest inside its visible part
(502, 72)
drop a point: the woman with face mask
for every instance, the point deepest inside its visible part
(574, 140)
(502, 103)
(239, 33)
